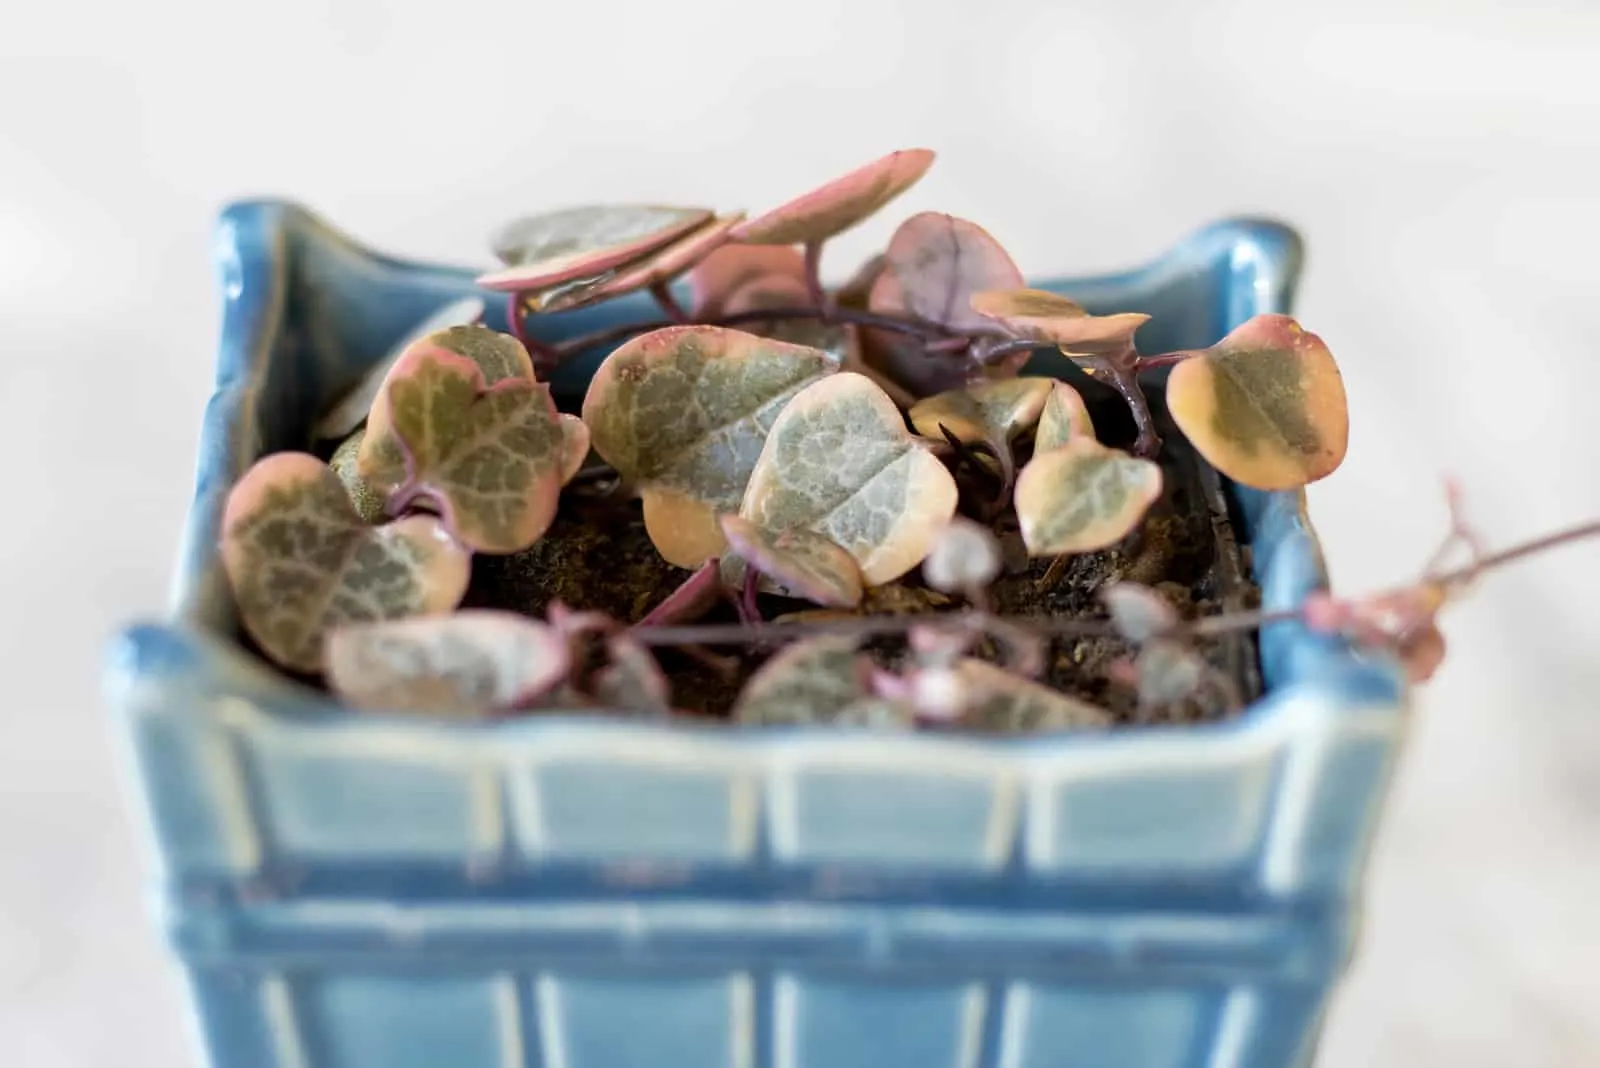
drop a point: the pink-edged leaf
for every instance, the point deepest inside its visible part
(839, 205)
(839, 461)
(1063, 418)
(490, 458)
(1265, 405)
(352, 408)
(474, 662)
(558, 246)
(815, 681)
(657, 267)
(801, 562)
(1083, 496)
(1000, 701)
(683, 413)
(301, 562)
(370, 503)
(1044, 316)
(632, 680)
(965, 558)
(938, 262)
(574, 446)
(1138, 612)
(731, 267)
(698, 594)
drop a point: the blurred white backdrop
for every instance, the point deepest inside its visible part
(1441, 158)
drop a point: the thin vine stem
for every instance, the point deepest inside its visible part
(1209, 626)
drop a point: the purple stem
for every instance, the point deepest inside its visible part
(691, 600)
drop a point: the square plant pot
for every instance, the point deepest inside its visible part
(567, 892)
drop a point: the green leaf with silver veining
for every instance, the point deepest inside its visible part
(490, 458)
(839, 461)
(815, 681)
(683, 414)
(473, 662)
(558, 246)
(1083, 496)
(802, 563)
(300, 561)
(1006, 703)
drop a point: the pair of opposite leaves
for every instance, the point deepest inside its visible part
(459, 427)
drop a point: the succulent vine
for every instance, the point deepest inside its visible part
(845, 487)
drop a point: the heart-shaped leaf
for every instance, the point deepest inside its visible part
(818, 680)
(1138, 612)
(489, 458)
(351, 410)
(1063, 418)
(301, 562)
(731, 267)
(653, 269)
(840, 461)
(558, 246)
(965, 558)
(1005, 703)
(1265, 405)
(803, 563)
(989, 412)
(632, 681)
(472, 662)
(683, 413)
(1045, 316)
(936, 262)
(1083, 496)
(839, 205)
(370, 503)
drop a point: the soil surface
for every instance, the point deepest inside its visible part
(597, 557)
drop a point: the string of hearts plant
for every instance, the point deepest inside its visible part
(839, 453)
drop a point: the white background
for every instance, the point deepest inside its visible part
(1442, 159)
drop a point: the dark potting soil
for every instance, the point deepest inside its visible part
(596, 556)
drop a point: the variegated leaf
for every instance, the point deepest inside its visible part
(656, 268)
(1045, 316)
(473, 662)
(989, 412)
(301, 562)
(683, 413)
(1083, 496)
(839, 461)
(1063, 418)
(1006, 703)
(801, 562)
(839, 205)
(1265, 405)
(490, 458)
(558, 246)
(351, 409)
(816, 681)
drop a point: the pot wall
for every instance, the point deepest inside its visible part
(574, 893)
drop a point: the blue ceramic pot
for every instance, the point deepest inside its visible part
(368, 892)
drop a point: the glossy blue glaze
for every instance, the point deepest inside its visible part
(567, 892)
